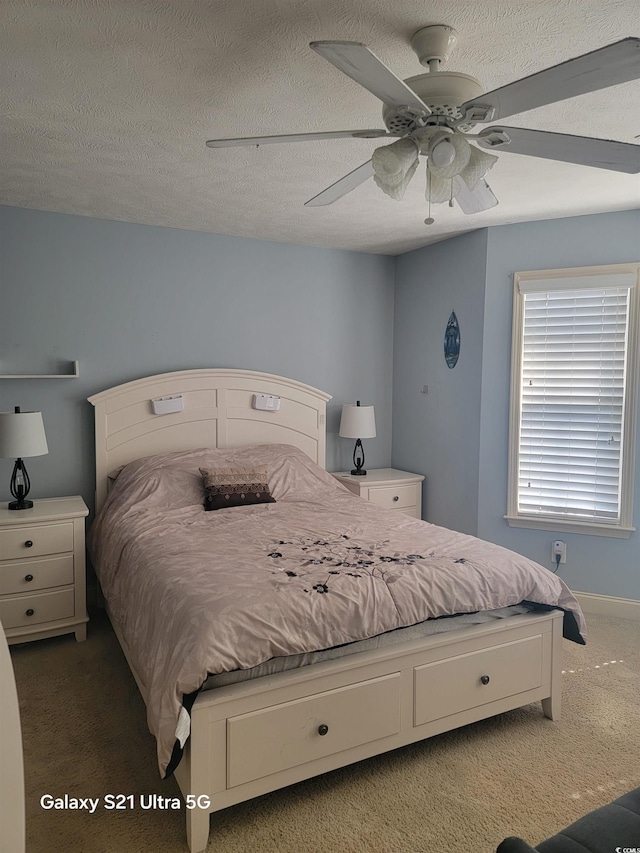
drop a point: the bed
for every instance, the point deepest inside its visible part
(279, 640)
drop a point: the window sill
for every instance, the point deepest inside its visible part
(588, 528)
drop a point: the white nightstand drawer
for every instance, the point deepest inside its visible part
(393, 497)
(31, 575)
(26, 610)
(387, 487)
(35, 540)
(271, 740)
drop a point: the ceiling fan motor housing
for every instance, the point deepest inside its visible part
(443, 92)
(434, 42)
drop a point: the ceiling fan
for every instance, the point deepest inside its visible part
(433, 115)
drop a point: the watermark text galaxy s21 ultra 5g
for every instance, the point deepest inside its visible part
(122, 802)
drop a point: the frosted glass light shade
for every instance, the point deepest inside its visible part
(394, 165)
(357, 421)
(22, 435)
(438, 190)
(443, 154)
(457, 163)
(479, 164)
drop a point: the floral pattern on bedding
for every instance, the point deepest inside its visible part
(314, 559)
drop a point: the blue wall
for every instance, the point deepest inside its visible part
(438, 433)
(129, 300)
(595, 564)
(457, 435)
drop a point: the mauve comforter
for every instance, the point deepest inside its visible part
(197, 593)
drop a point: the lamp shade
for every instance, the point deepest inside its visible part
(22, 434)
(357, 421)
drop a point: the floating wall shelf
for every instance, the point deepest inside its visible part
(75, 368)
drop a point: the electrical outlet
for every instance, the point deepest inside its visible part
(559, 547)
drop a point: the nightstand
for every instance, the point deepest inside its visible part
(42, 570)
(387, 487)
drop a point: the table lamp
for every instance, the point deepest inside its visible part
(21, 434)
(357, 422)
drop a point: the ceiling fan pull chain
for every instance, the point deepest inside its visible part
(429, 220)
(451, 196)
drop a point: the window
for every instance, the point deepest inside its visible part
(574, 396)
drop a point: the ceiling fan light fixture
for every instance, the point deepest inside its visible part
(479, 164)
(394, 166)
(443, 154)
(438, 189)
(459, 161)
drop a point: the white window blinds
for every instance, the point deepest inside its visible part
(573, 371)
(574, 398)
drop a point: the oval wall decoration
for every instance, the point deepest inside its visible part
(452, 340)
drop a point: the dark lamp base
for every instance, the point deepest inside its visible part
(358, 460)
(21, 504)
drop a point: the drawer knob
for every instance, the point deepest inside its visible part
(30, 611)
(28, 578)
(396, 497)
(484, 679)
(323, 729)
(28, 544)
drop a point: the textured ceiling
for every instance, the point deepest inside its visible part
(106, 106)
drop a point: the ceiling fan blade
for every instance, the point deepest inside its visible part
(358, 62)
(297, 137)
(343, 186)
(583, 150)
(616, 63)
(475, 200)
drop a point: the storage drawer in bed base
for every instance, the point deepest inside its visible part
(266, 741)
(215, 756)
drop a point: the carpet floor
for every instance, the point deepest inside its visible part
(85, 735)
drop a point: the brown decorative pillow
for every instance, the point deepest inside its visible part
(225, 487)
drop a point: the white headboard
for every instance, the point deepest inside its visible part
(218, 412)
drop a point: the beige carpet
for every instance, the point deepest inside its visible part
(85, 735)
